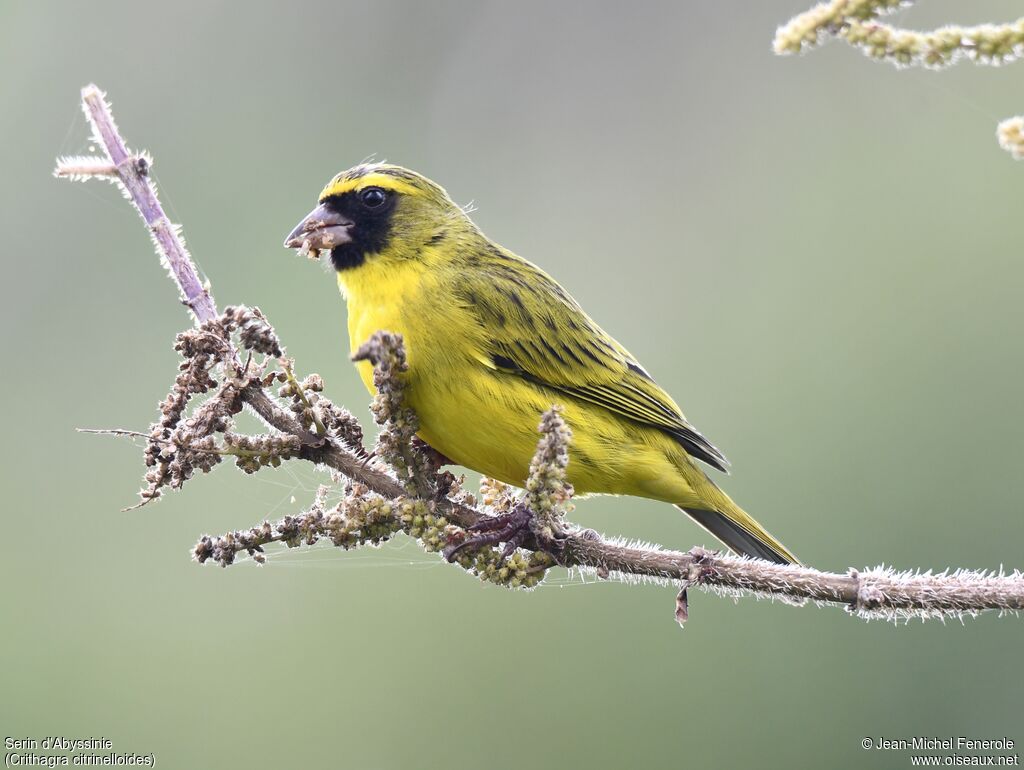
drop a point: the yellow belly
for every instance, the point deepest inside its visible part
(485, 419)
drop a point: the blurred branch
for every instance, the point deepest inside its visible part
(856, 22)
(1010, 134)
(401, 488)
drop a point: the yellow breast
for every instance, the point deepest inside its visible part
(382, 298)
(487, 420)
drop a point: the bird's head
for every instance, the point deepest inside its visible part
(377, 211)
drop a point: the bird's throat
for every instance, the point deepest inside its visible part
(347, 256)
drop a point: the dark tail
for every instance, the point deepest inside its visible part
(754, 542)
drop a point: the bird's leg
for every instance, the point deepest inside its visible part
(510, 528)
(513, 529)
(437, 459)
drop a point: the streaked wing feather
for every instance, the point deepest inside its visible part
(532, 328)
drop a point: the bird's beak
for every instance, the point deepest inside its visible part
(323, 228)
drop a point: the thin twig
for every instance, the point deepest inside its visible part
(133, 173)
(289, 373)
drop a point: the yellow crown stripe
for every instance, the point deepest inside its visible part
(386, 181)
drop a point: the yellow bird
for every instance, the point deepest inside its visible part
(493, 341)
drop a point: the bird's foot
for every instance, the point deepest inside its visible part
(437, 459)
(365, 457)
(514, 529)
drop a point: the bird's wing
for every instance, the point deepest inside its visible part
(532, 328)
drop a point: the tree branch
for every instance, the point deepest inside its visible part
(856, 22)
(132, 172)
(419, 501)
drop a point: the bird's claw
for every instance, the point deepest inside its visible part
(512, 529)
(436, 458)
(365, 457)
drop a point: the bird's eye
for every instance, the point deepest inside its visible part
(373, 197)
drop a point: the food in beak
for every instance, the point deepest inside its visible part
(307, 250)
(322, 229)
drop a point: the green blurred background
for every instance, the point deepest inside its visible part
(819, 256)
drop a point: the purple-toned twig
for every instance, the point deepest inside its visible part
(132, 171)
(873, 593)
